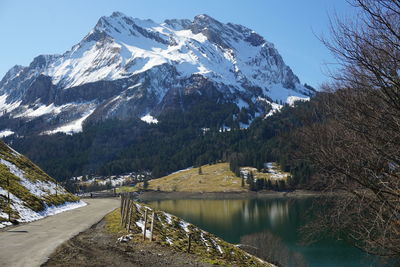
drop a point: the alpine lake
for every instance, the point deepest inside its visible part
(269, 226)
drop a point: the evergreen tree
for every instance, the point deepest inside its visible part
(250, 181)
(282, 185)
(268, 184)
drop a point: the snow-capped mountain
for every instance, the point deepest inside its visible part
(127, 67)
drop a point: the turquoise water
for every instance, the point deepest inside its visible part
(236, 220)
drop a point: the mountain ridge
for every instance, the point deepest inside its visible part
(129, 68)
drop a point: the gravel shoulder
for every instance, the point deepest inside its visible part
(97, 247)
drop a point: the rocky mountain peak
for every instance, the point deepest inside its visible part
(205, 20)
(128, 67)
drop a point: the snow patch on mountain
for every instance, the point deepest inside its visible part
(72, 127)
(40, 111)
(275, 107)
(5, 133)
(149, 119)
(7, 106)
(292, 99)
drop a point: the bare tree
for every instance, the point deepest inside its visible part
(269, 247)
(357, 148)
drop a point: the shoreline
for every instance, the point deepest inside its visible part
(164, 195)
(109, 243)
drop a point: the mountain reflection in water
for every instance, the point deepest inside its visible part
(277, 219)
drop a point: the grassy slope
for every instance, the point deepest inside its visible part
(33, 173)
(126, 189)
(214, 178)
(204, 245)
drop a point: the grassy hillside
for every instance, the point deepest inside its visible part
(31, 190)
(213, 178)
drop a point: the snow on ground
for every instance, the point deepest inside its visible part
(125, 238)
(28, 215)
(114, 180)
(72, 127)
(8, 107)
(275, 173)
(131, 52)
(38, 188)
(291, 99)
(5, 133)
(272, 168)
(149, 119)
(182, 170)
(40, 111)
(140, 224)
(4, 224)
(275, 107)
(205, 242)
(168, 217)
(169, 240)
(224, 129)
(218, 247)
(13, 169)
(281, 95)
(184, 226)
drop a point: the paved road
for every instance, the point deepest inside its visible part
(32, 243)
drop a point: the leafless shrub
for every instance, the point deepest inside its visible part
(357, 149)
(269, 247)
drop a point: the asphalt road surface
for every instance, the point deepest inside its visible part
(31, 244)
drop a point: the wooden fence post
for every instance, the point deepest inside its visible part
(126, 211)
(144, 225)
(122, 208)
(130, 215)
(152, 226)
(189, 243)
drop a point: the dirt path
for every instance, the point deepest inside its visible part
(32, 243)
(97, 247)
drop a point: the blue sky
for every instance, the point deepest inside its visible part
(29, 28)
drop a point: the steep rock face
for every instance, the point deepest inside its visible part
(127, 67)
